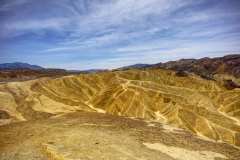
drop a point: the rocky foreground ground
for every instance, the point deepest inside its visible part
(91, 136)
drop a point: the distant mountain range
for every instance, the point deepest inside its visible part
(19, 65)
(204, 67)
(23, 71)
(26, 66)
(135, 66)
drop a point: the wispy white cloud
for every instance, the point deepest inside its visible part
(52, 23)
(13, 3)
(100, 16)
(124, 31)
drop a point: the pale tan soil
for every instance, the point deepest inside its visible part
(201, 106)
(91, 136)
(183, 154)
(41, 119)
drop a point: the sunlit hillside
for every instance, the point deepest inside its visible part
(203, 107)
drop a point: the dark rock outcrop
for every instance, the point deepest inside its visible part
(206, 67)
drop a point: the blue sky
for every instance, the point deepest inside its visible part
(85, 34)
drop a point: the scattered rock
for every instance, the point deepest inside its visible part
(229, 84)
(4, 115)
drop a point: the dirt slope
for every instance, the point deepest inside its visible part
(201, 106)
(91, 136)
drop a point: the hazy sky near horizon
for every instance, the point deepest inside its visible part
(85, 34)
